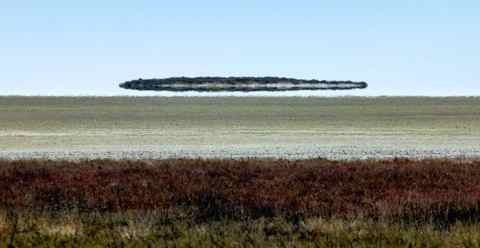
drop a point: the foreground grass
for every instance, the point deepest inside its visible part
(149, 230)
(231, 203)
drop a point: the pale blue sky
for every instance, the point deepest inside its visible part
(429, 47)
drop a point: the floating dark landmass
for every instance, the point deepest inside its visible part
(245, 84)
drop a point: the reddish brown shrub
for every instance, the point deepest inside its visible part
(446, 190)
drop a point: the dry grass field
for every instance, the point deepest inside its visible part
(240, 203)
(159, 127)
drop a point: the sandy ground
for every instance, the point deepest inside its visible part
(155, 127)
(339, 150)
(347, 153)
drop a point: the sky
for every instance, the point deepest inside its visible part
(408, 47)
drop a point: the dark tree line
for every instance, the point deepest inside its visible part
(246, 84)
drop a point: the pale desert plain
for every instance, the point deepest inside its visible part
(234, 127)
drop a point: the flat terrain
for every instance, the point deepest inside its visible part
(159, 127)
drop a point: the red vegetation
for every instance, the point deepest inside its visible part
(444, 190)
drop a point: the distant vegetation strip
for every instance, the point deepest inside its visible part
(245, 84)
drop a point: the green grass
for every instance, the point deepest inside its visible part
(129, 230)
